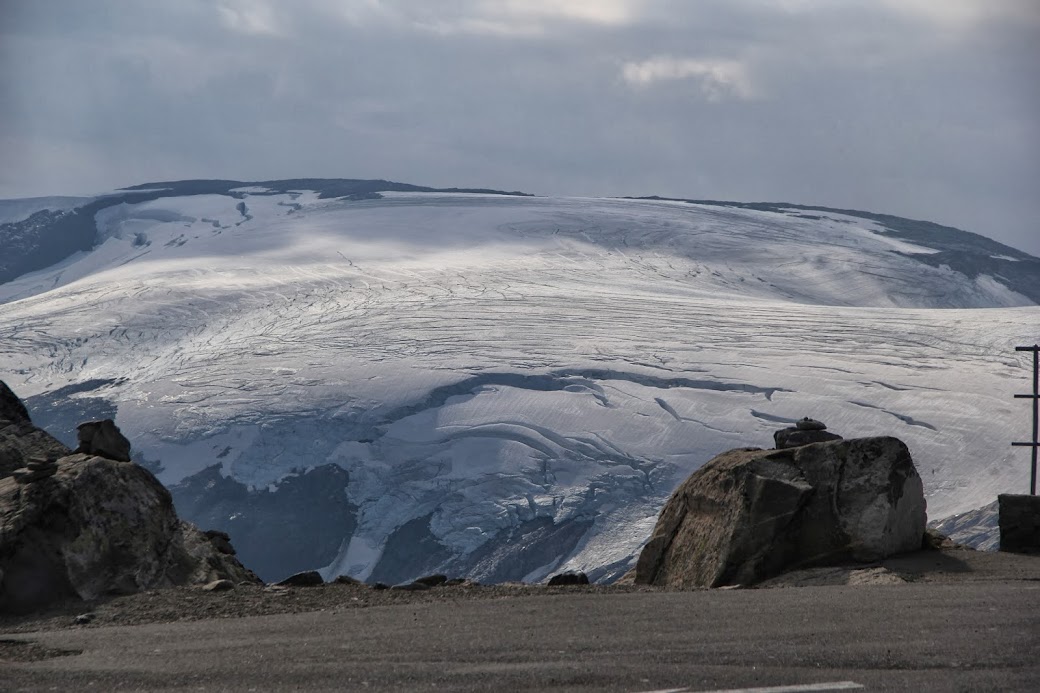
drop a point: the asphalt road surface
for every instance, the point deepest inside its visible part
(973, 636)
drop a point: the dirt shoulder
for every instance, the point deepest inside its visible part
(946, 566)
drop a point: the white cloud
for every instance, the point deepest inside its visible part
(718, 79)
(486, 17)
(608, 12)
(965, 14)
(249, 17)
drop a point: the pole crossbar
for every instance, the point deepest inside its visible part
(1035, 443)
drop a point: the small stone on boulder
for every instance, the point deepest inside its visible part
(808, 424)
(796, 437)
(35, 472)
(103, 439)
(568, 578)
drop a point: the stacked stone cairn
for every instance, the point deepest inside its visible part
(37, 469)
(804, 432)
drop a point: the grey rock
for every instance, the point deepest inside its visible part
(461, 582)
(21, 441)
(432, 580)
(808, 424)
(796, 437)
(934, 540)
(347, 580)
(221, 541)
(84, 619)
(277, 590)
(29, 475)
(411, 587)
(308, 578)
(750, 514)
(103, 439)
(98, 527)
(1019, 523)
(568, 578)
(219, 586)
(380, 586)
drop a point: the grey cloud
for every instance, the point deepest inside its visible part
(924, 109)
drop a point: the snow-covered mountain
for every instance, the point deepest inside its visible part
(384, 380)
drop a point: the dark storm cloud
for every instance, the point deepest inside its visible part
(923, 108)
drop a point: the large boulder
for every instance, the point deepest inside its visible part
(751, 514)
(82, 526)
(98, 526)
(20, 441)
(104, 439)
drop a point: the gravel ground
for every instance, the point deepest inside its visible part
(192, 603)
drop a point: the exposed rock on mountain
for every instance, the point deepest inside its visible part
(975, 528)
(299, 527)
(84, 526)
(751, 514)
(20, 441)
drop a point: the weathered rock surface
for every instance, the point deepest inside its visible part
(1019, 523)
(104, 439)
(95, 527)
(20, 441)
(795, 437)
(81, 526)
(751, 514)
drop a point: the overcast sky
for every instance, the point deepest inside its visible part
(922, 108)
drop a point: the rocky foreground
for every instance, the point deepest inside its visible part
(950, 565)
(88, 523)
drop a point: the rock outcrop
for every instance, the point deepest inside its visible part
(20, 441)
(751, 514)
(83, 526)
(104, 439)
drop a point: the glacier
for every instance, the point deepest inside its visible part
(502, 386)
